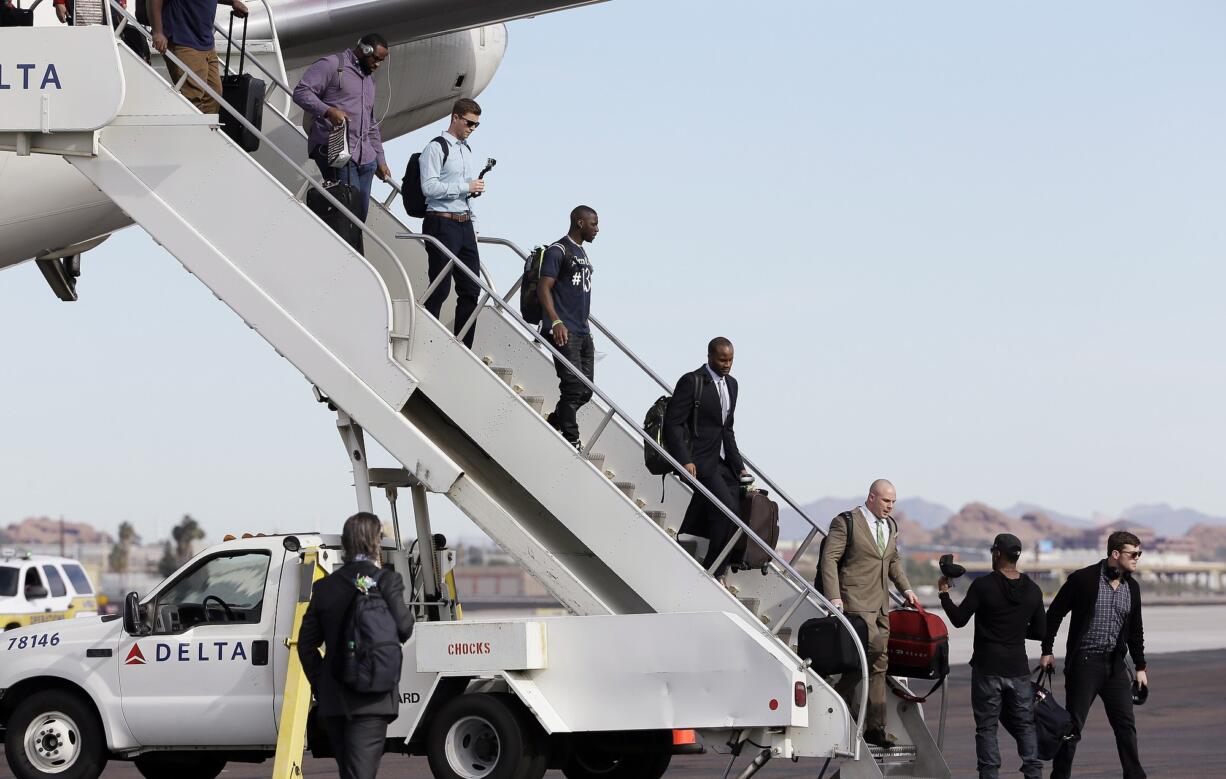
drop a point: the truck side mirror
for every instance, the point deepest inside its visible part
(131, 615)
(36, 592)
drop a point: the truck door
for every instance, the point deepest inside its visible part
(204, 677)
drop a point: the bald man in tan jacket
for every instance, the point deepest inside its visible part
(856, 577)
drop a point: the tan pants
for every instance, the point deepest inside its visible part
(878, 662)
(205, 65)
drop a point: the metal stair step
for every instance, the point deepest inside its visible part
(537, 402)
(690, 545)
(753, 604)
(505, 374)
(659, 517)
(596, 459)
(626, 487)
(903, 753)
(785, 635)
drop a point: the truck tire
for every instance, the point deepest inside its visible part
(485, 736)
(167, 765)
(644, 755)
(55, 733)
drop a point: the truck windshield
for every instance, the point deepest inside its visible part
(8, 581)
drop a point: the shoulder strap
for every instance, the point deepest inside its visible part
(441, 141)
(697, 399)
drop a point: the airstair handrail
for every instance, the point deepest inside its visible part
(642, 364)
(189, 73)
(806, 589)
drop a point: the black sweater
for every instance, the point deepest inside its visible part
(1007, 612)
(1079, 594)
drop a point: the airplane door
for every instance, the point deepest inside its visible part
(205, 676)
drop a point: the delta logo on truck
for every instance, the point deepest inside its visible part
(186, 652)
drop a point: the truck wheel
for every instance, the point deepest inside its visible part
(483, 736)
(164, 765)
(598, 756)
(55, 733)
(11, 626)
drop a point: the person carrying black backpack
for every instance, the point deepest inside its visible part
(564, 290)
(356, 682)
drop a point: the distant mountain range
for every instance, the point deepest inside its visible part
(933, 520)
(924, 513)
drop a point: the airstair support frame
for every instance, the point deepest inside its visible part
(624, 423)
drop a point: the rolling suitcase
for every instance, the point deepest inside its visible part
(333, 217)
(762, 515)
(245, 93)
(826, 643)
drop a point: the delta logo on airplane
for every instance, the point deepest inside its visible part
(204, 652)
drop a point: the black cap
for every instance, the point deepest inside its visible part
(1007, 543)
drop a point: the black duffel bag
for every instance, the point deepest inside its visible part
(826, 643)
(1053, 725)
(15, 17)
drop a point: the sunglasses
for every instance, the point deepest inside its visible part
(1131, 555)
(471, 124)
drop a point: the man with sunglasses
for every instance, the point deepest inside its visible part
(1105, 601)
(340, 89)
(448, 180)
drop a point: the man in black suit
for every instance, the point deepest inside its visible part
(698, 432)
(1105, 600)
(356, 723)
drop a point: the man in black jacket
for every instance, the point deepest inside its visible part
(698, 432)
(356, 723)
(1105, 600)
(1008, 609)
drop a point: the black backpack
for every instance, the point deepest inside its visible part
(371, 653)
(410, 185)
(653, 425)
(849, 519)
(529, 304)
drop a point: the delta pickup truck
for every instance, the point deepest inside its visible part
(192, 676)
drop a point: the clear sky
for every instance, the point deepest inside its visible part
(977, 248)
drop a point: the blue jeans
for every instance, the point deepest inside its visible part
(1008, 700)
(359, 176)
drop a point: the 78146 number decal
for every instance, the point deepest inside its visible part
(31, 642)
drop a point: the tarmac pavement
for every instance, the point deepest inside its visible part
(1182, 730)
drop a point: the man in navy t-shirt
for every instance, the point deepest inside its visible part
(565, 293)
(186, 28)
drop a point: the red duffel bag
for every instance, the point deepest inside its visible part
(918, 648)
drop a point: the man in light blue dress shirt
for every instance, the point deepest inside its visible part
(448, 180)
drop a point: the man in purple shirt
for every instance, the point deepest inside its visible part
(340, 88)
(186, 28)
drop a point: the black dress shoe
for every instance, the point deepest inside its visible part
(879, 738)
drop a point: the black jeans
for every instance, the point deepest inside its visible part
(1009, 700)
(357, 743)
(460, 239)
(572, 392)
(1102, 675)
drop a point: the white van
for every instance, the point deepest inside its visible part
(42, 588)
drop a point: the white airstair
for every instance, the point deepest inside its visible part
(467, 424)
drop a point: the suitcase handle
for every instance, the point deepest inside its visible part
(242, 49)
